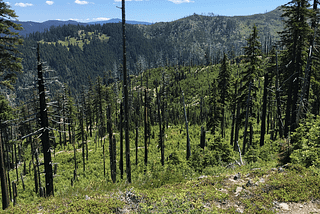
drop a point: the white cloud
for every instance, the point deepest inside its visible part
(23, 4)
(101, 19)
(128, 0)
(49, 2)
(180, 1)
(8, 3)
(81, 2)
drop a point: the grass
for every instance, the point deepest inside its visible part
(173, 188)
(82, 39)
(176, 187)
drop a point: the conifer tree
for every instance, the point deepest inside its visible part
(312, 39)
(10, 63)
(295, 38)
(5, 111)
(215, 108)
(249, 78)
(223, 87)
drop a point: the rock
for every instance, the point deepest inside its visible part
(87, 198)
(237, 176)
(286, 166)
(274, 169)
(280, 169)
(254, 169)
(238, 190)
(250, 184)
(301, 206)
(202, 176)
(223, 190)
(284, 206)
(239, 210)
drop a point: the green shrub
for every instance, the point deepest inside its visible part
(217, 152)
(252, 155)
(306, 143)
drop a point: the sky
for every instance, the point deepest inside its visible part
(138, 10)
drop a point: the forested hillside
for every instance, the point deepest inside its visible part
(230, 129)
(76, 52)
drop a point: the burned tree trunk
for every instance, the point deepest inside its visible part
(126, 100)
(146, 133)
(4, 186)
(246, 121)
(111, 147)
(187, 128)
(45, 133)
(121, 142)
(160, 127)
(264, 109)
(202, 138)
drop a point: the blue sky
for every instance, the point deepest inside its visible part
(139, 10)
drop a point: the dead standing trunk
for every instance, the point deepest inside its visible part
(45, 134)
(160, 127)
(4, 186)
(246, 121)
(187, 128)
(145, 130)
(121, 141)
(264, 109)
(126, 100)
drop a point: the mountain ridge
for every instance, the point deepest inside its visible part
(32, 26)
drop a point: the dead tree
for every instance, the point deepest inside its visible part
(202, 138)
(187, 128)
(146, 133)
(278, 99)
(45, 133)
(121, 141)
(246, 121)
(125, 88)
(160, 127)
(111, 147)
(4, 186)
(264, 108)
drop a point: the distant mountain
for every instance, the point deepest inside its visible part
(31, 27)
(214, 35)
(119, 20)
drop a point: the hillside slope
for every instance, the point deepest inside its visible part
(195, 39)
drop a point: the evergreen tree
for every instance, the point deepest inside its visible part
(5, 114)
(223, 88)
(10, 63)
(215, 108)
(250, 78)
(295, 37)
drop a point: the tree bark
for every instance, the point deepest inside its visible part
(246, 121)
(264, 109)
(4, 186)
(187, 128)
(160, 127)
(145, 130)
(45, 134)
(126, 101)
(121, 142)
